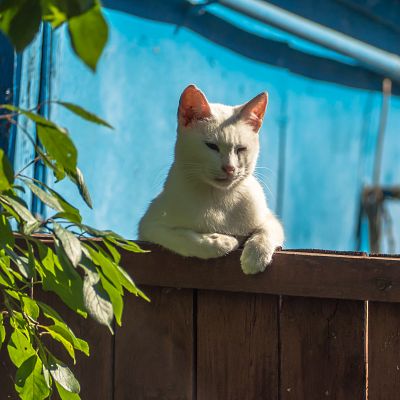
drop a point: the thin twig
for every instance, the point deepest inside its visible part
(8, 116)
(26, 166)
(24, 130)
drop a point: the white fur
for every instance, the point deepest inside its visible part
(198, 216)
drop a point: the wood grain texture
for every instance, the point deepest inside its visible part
(316, 274)
(237, 351)
(322, 349)
(383, 351)
(95, 373)
(308, 273)
(154, 347)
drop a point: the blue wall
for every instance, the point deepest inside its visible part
(317, 142)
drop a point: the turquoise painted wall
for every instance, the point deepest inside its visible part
(317, 142)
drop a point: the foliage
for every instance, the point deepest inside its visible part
(84, 273)
(20, 20)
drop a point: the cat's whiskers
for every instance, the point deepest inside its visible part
(269, 170)
(192, 172)
(262, 180)
(159, 177)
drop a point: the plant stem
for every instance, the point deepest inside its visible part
(36, 159)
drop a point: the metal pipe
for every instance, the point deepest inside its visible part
(375, 59)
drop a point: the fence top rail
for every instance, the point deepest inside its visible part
(309, 273)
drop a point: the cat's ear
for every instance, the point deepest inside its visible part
(253, 111)
(193, 106)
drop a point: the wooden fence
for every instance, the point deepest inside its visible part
(301, 330)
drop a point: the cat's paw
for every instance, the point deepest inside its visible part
(217, 245)
(256, 256)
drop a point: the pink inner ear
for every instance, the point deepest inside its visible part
(193, 106)
(253, 111)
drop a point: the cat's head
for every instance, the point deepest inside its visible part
(218, 144)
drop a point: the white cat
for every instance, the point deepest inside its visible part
(211, 201)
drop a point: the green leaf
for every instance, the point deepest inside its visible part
(63, 375)
(53, 14)
(46, 198)
(20, 21)
(2, 330)
(79, 181)
(126, 245)
(30, 307)
(20, 188)
(17, 205)
(29, 380)
(62, 261)
(8, 277)
(19, 347)
(59, 146)
(108, 267)
(81, 112)
(6, 172)
(129, 285)
(63, 336)
(65, 395)
(113, 251)
(89, 34)
(21, 262)
(50, 313)
(5, 282)
(70, 243)
(6, 235)
(70, 212)
(115, 297)
(96, 300)
(59, 11)
(39, 119)
(68, 286)
(46, 372)
(64, 216)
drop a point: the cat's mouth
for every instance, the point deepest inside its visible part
(225, 180)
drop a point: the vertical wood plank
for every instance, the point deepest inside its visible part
(154, 347)
(237, 352)
(383, 351)
(322, 349)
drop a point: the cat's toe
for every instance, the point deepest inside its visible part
(217, 245)
(226, 244)
(254, 260)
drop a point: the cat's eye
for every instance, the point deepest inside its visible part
(241, 149)
(212, 146)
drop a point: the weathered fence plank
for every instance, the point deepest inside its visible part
(237, 351)
(226, 335)
(383, 351)
(322, 349)
(154, 347)
(294, 273)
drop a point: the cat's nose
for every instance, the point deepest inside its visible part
(229, 169)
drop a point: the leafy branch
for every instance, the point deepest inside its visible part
(88, 31)
(84, 273)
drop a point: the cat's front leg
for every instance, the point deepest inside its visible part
(261, 245)
(190, 243)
